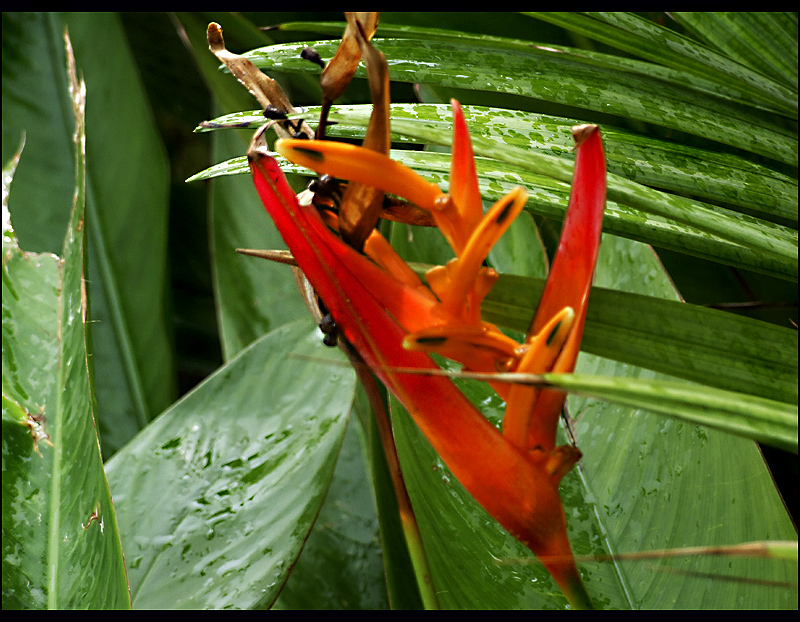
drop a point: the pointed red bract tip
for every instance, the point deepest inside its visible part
(463, 176)
(570, 278)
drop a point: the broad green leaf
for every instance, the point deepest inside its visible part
(34, 102)
(670, 474)
(216, 497)
(61, 545)
(126, 200)
(464, 543)
(345, 547)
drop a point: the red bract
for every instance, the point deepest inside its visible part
(389, 318)
(570, 277)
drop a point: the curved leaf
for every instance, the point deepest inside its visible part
(61, 546)
(345, 546)
(521, 151)
(577, 78)
(658, 44)
(766, 421)
(675, 167)
(216, 497)
(766, 42)
(126, 200)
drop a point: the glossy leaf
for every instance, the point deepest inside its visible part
(584, 79)
(518, 153)
(346, 531)
(695, 477)
(216, 497)
(766, 421)
(718, 177)
(254, 296)
(766, 42)
(61, 546)
(648, 40)
(674, 167)
(126, 200)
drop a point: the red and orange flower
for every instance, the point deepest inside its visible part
(393, 320)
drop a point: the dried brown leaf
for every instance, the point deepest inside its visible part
(361, 205)
(266, 90)
(341, 68)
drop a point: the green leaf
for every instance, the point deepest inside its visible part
(126, 200)
(730, 352)
(648, 40)
(344, 546)
(677, 481)
(719, 177)
(216, 497)
(61, 546)
(464, 543)
(524, 149)
(35, 102)
(588, 80)
(766, 42)
(766, 421)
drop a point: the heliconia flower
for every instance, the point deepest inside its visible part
(464, 282)
(391, 319)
